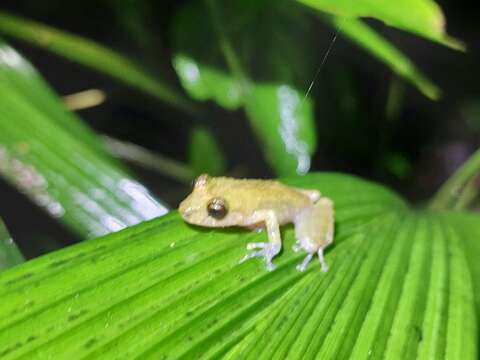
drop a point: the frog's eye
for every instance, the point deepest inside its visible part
(217, 208)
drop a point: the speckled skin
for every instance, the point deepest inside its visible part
(253, 203)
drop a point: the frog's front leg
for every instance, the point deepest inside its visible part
(274, 244)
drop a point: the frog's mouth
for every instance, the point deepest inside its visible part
(196, 216)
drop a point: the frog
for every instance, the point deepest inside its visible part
(219, 202)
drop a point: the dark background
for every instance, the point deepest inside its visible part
(433, 138)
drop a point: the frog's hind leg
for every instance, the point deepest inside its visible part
(314, 229)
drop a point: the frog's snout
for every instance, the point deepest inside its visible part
(187, 214)
(186, 210)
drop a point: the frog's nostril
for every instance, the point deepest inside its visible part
(187, 213)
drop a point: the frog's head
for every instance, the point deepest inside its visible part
(208, 204)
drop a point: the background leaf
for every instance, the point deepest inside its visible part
(421, 17)
(93, 55)
(132, 14)
(20, 76)
(204, 154)
(283, 120)
(10, 255)
(374, 43)
(56, 161)
(205, 83)
(256, 60)
(149, 160)
(163, 287)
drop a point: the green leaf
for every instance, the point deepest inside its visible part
(421, 17)
(46, 153)
(399, 282)
(204, 82)
(23, 78)
(283, 120)
(451, 190)
(469, 225)
(149, 160)
(370, 40)
(252, 54)
(204, 154)
(93, 55)
(397, 164)
(10, 255)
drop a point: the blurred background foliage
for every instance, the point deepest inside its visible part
(172, 89)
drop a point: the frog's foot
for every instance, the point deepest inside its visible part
(303, 265)
(256, 245)
(296, 247)
(323, 263)
(269, 250)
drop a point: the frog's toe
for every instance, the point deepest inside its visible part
(296, 247)
(268, 252)
(303, 265)
(321, 259)
(269, 265)
(250, 255)
(256, 245)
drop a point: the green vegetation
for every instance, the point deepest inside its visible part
(404, 279)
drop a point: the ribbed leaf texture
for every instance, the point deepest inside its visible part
(48, 154)
(399, 286)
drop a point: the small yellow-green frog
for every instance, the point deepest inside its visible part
(223, 202)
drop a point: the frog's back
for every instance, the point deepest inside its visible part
(264, 190)
(252, 195)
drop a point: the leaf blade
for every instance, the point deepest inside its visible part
(284, 123)
(174, 289)
(379, 47)
(232, 73)
(93, 55)
(58, 162)
(204, 153)
(424, 18)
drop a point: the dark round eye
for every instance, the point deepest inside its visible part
(217, 208)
